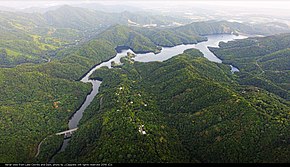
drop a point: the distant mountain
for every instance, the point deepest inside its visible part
(188, 34)
(39, 9)
(108, 8)
(30, 36)
(204, 28)
(4, 8)
(73, 17)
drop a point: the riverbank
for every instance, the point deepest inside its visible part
(165, 54)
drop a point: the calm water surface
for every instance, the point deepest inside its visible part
(166, 53)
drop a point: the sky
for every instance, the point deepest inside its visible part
(266, 4)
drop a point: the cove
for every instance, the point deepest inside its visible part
(166, 53)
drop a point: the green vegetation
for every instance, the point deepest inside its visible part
(26, 38)
(38, 37)
(192, 110)
(37, 100)
(34, 37)
(33, 105)
(48, 148)
(264, 62)
(186, 104)
(219, 27)
(147, 40)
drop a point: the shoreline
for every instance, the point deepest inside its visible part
(118, 50)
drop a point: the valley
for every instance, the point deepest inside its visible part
(214, 39)
(193, 92)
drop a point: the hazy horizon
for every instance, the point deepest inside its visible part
(173, 3)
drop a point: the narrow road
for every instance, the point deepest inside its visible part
(39, 145)
(259, 66)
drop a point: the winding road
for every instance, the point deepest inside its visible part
(39, 145)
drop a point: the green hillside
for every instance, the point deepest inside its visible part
(33, 105)
(27, 38)
(192, 110)
(37, 100)
(37, 37)
(218, 27)
(264, 62)
(189, 115)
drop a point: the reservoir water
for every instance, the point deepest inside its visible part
(166, 53)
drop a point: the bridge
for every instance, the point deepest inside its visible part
(67, 133)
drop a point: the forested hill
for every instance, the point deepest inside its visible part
(208, 27)
(188, 34)
(47, 52)
(31, 37)
(141, 40)
(264, 62)
(186, 109)
(148, 40)
(37, 37)
(85, 19)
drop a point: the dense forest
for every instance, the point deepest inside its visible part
(33, 105)
(264, 62)
(191, 109)
(188, 114)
